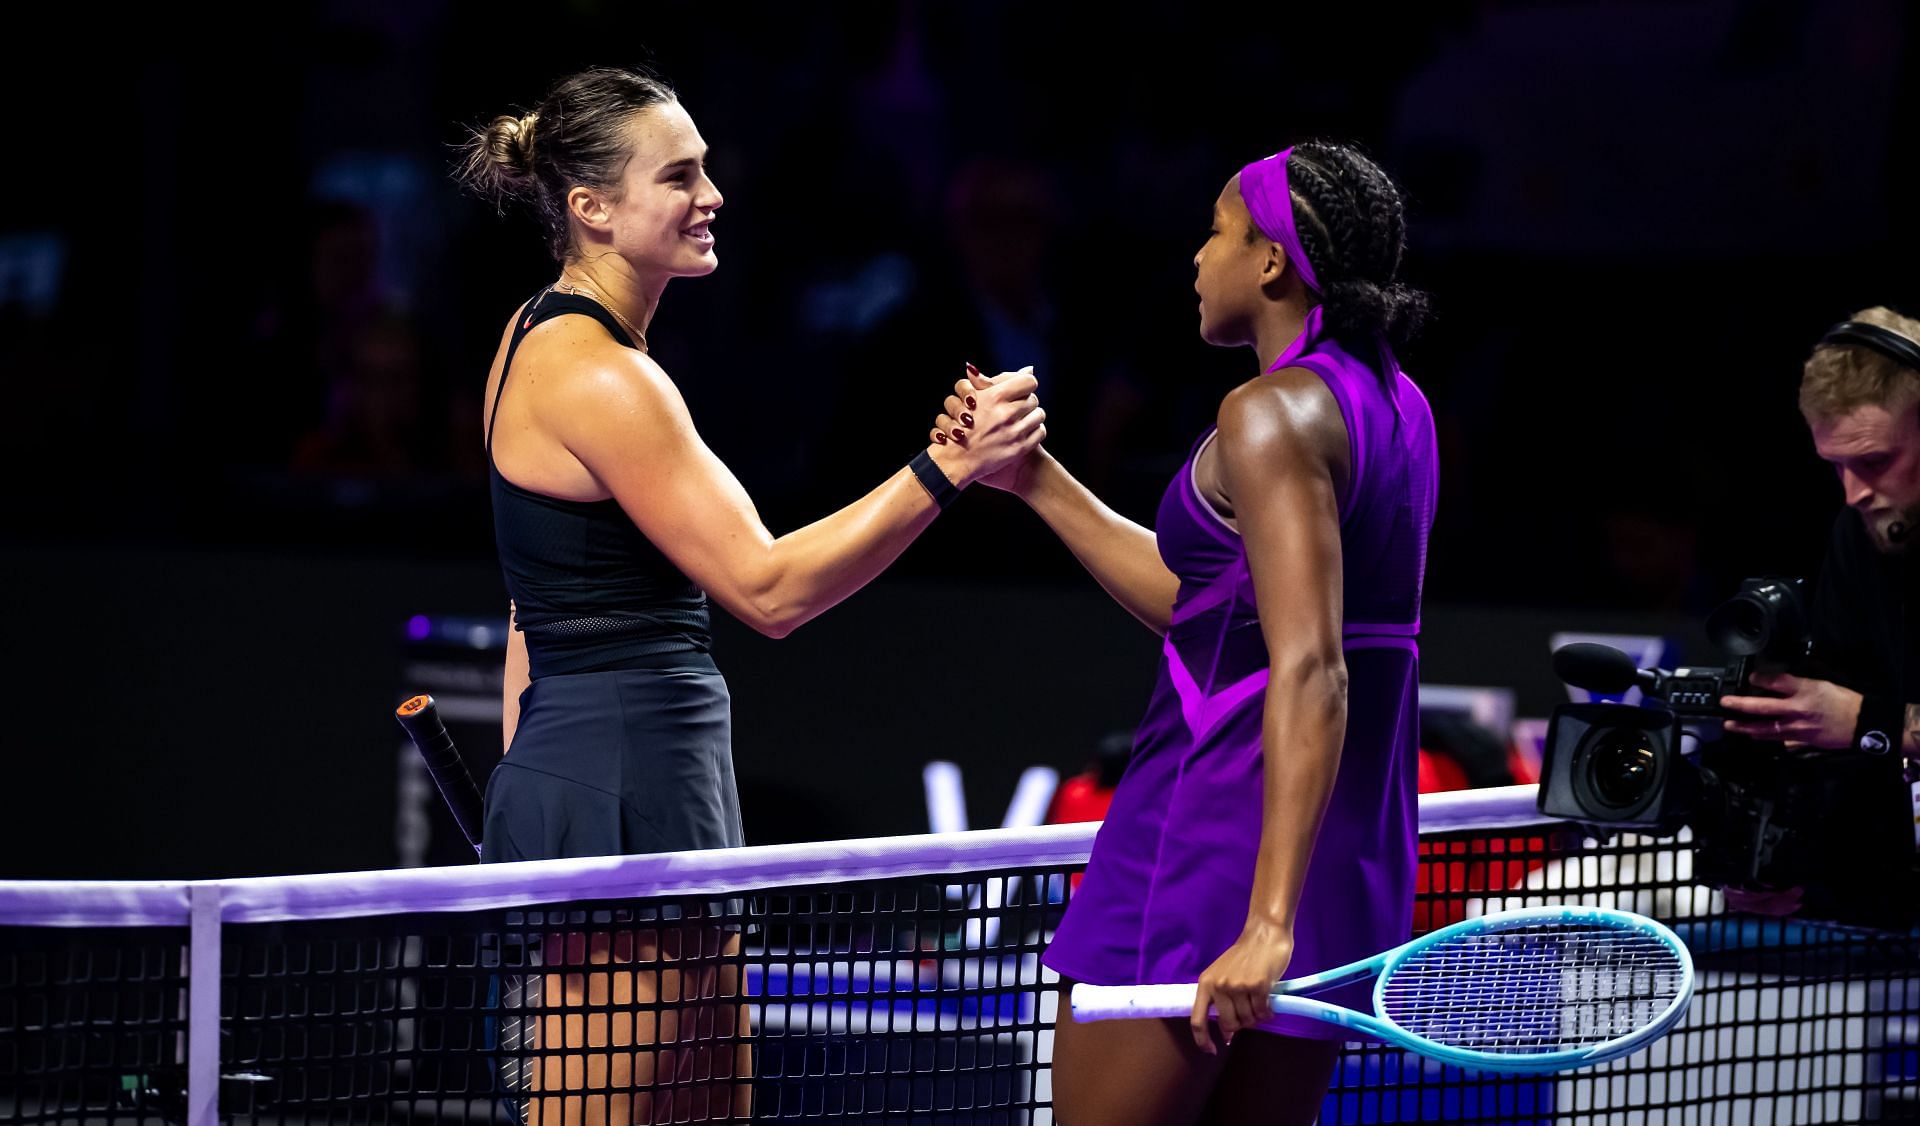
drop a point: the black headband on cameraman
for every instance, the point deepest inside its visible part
(1885, 341)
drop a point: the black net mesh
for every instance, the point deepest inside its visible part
(910, 1000)
(93, 1024)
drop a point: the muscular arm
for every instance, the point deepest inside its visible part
(1281, 445)
(626, 422)
(1122, 556)
(1281, 441)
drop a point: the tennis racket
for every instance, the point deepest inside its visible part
(1535, 990)
(422, 722)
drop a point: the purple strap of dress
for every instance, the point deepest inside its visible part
(1263, 184)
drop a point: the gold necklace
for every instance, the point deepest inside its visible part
(576, 289)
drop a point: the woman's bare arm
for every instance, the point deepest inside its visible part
(626, 422)
(1277, 443)
(1282, 444)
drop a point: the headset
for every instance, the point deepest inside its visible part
(1885, 341)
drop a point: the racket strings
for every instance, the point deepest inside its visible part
(1533, 989)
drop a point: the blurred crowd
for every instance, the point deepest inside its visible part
(1622, 308)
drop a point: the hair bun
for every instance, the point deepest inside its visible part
(496, 162)
(523, 137)
(576, 135)
(1357, 309)
(510, 142)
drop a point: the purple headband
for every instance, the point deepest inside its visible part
(1263, 184)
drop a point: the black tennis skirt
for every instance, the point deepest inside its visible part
(618, 762)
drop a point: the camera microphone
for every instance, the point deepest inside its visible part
(1599, 668)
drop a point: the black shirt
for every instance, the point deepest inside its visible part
(1866, 637)
(590, 591)
(1866, 615)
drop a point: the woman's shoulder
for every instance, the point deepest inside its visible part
(1279, 424)
(1290, 403)
(587, 382)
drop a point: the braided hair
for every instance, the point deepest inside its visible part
(1352, 224)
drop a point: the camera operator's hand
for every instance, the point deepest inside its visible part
(1809, 712)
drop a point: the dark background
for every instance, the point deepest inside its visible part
(245, 319)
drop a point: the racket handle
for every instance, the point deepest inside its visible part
(422, 723)
(1109, 1002)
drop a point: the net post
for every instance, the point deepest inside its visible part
(203, 1007)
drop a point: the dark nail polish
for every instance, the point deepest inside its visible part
(940, 438)
(959, 435)
(971, 370)
(971, 404)
(966, 419)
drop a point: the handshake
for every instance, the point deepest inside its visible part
(989, 430)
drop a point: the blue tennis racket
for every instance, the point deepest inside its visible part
(1535, 990)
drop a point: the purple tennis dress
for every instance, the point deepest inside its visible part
(1172, 871)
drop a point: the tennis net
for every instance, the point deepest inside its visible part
(893, 980)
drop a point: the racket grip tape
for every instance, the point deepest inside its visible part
(421, 720)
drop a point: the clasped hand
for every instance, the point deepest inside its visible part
(993, 423)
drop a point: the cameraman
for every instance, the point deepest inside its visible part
(1860, 395)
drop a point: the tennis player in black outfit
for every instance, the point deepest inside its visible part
(615, 525)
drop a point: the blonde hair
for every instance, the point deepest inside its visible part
(497, 161)
(576, 135)
(1840, 378)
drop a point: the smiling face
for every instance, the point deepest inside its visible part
(1229, 271)
(1875, 449)
(661, 220)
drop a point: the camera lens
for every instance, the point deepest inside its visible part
(1742, 626)
(1768, 617)
(1621, 768)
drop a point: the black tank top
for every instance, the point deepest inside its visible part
(589, 590)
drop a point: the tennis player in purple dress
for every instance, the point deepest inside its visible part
(1266, 826)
